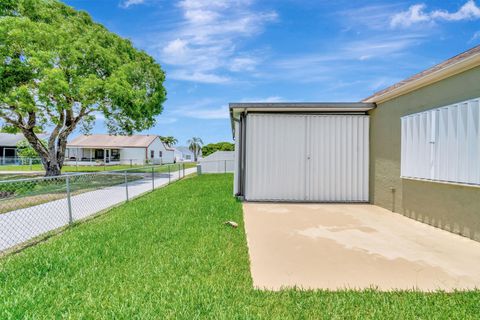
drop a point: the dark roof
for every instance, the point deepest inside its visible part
(11, 139)
(441, 66)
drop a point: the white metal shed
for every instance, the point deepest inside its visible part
(218, 162)
(309, 152)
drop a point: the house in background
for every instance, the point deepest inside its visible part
(109, 149)
(183, 154)
(413, 148)
(8, 146)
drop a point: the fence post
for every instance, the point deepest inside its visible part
(183, 166)
(69, 201)
(153, 179)
(131, 163)
(169, 174)
(76, 163)
(30, 164)
(126, 184)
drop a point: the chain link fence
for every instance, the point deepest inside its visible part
(32, 208)
(75, 164)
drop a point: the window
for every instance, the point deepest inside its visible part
(99, 154)
(160, 154)
(115, 154)
(188, 157)
(443, 144)
(152, 154)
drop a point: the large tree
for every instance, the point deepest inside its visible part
(219, 146)
(59, 70)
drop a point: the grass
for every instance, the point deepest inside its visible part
(168, 255)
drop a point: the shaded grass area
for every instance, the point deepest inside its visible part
(168, 255)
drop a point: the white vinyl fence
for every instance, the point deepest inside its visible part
(216, 166)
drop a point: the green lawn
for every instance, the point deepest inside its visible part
(168, 255)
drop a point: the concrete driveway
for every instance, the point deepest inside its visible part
(336, 246)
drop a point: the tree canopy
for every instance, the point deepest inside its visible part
(169, 140)
(25, 150)
(219, 146)
(59, 70)
(195, 145)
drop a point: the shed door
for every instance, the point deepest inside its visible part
(320, 158)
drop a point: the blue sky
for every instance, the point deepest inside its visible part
(216, 52)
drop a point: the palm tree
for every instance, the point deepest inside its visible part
(195, 145)
(169, 141)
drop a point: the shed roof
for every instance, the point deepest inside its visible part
(220, 155)
(184, 150)
(236, 108)
(457, 64)
(302, 106)
(111, 141)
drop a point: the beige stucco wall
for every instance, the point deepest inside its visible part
(451, 207)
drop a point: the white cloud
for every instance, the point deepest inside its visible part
(198, 77)
(128, 3)
(267, 99)
(414, 14)
(417, 14)
(359, 50)
(475, 37)
(166, 120)
(217, 113)
(204, 45)
(203, 109)
(243, 64)
(469, 11)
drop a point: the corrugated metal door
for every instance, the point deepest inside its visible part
(275, 157)
(337, 157)
(307, 158)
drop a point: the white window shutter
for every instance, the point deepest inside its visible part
(443, 144)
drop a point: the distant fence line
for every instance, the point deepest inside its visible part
(31, 208)
(216, 166)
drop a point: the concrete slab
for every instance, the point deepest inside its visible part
(339, 246)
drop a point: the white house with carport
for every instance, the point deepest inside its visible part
(110, 149)
(184, 154)
(8, 146)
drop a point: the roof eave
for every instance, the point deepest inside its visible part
(441, 74)
(237, 108)
(303, 107)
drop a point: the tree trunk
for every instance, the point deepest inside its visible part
(51, 158)
(52, 169)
